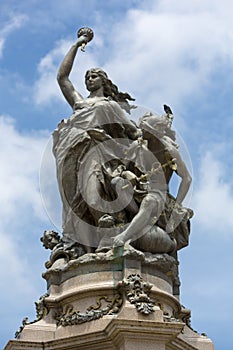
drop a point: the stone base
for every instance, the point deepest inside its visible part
(113, 334)
(118, 300)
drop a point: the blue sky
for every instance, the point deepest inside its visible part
(174, 52)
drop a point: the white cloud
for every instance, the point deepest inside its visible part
(16, 268)
(163, 52)
(20, 200)
(15, 22)
(20, 154)
(46, 88)
(213, 197)
(168, 51)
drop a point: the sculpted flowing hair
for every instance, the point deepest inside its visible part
(111, 90)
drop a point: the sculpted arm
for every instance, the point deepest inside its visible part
(183, 172)
(67, 88)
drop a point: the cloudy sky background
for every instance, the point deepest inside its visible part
(174, 52)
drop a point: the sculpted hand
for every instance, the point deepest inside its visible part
(119, 241)
(83, 39)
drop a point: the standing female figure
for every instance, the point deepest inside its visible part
(96, 134)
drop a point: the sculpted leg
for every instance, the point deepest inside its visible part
(141, 219)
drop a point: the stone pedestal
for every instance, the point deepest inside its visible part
(121, 300)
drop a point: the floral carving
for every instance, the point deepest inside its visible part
(137, 292)
(70, 317)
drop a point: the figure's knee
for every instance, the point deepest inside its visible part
(153, 203)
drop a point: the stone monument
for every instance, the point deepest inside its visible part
(112, 277)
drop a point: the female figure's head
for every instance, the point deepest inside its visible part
(96, 78)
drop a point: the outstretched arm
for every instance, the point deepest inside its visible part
(65, 68)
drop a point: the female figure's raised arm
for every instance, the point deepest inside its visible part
(67, 88)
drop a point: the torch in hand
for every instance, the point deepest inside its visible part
(87, 33)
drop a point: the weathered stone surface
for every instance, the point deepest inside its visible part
(118, 309)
